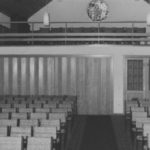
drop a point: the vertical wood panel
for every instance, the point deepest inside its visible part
(81, 88)
(23, 76)
(45, 80)
(1, 75)
(41, 76)
(19, 76)
(6, 76)
(14, 76)
(56, 76)
(64, 75)
(36, 76)
(73, 76)
(28, 76)
(10, 76)
(32, 75)
(58, 73)
(51, 75)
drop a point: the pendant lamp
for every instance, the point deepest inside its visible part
(148, 19)
(46, 19)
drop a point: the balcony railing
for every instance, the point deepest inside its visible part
(64, 33)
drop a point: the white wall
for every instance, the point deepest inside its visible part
(75, 10)
(117, 53)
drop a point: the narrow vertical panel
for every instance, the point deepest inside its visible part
(36, 75)
(45, 80)
(73, 76)
(99, 87)
(58, 73)
(56, 76)
(10, 74)
(14, 76)
(23, 76)
(103, 82)
(1, 75)
(51, 75)
(91, 86)
(6, 75)
(69, 76)
(28, 79)
(19, 76)
(109, 87)
(41, 89)
(64, 76)
(81, 88)
(32, 75)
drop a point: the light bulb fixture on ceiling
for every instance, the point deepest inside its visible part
(148, 19)
(46, 17)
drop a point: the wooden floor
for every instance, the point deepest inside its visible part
(100, 132)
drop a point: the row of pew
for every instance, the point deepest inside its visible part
(36, 122)
(137, 115)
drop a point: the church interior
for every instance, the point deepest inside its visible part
(74, 75)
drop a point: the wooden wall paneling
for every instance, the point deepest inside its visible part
(103, 82)
(10, 76)
(1, 75)
(59, 75)
(99, 86)
(73, 74)
(45, 83)
(19, 76)
(28, 78)
(94, 75)
(56, 76)
(81, 89)
(64, 75)
(69, 75)
(14, 76)
(36, 76)
(6, 76)
(51, 75)
(109, 92)
(88, 85)
(23, 76)
(41, 76)
(32, 75)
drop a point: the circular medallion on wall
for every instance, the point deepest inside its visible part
(97, 10)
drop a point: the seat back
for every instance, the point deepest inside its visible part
(3, 131)
(48, 123)
(42, 110)
(138, 115)
(28, 123)
(9, 110)
(50, 132)
(137, 109)
(58, 116)
(38, 116)
(20, 131)
(7, 122)
(19, 116)
(10, 143)
(4, 115)
(146, 129)
(25, 110)
(36, 143)
(139, 121)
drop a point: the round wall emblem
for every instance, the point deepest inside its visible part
(97, 10)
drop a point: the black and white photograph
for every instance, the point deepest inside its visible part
(74, 74)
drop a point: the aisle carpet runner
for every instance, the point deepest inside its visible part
(98, 134)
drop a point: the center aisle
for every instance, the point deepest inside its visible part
(98, 134)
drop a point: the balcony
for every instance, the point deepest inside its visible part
(76, 33)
